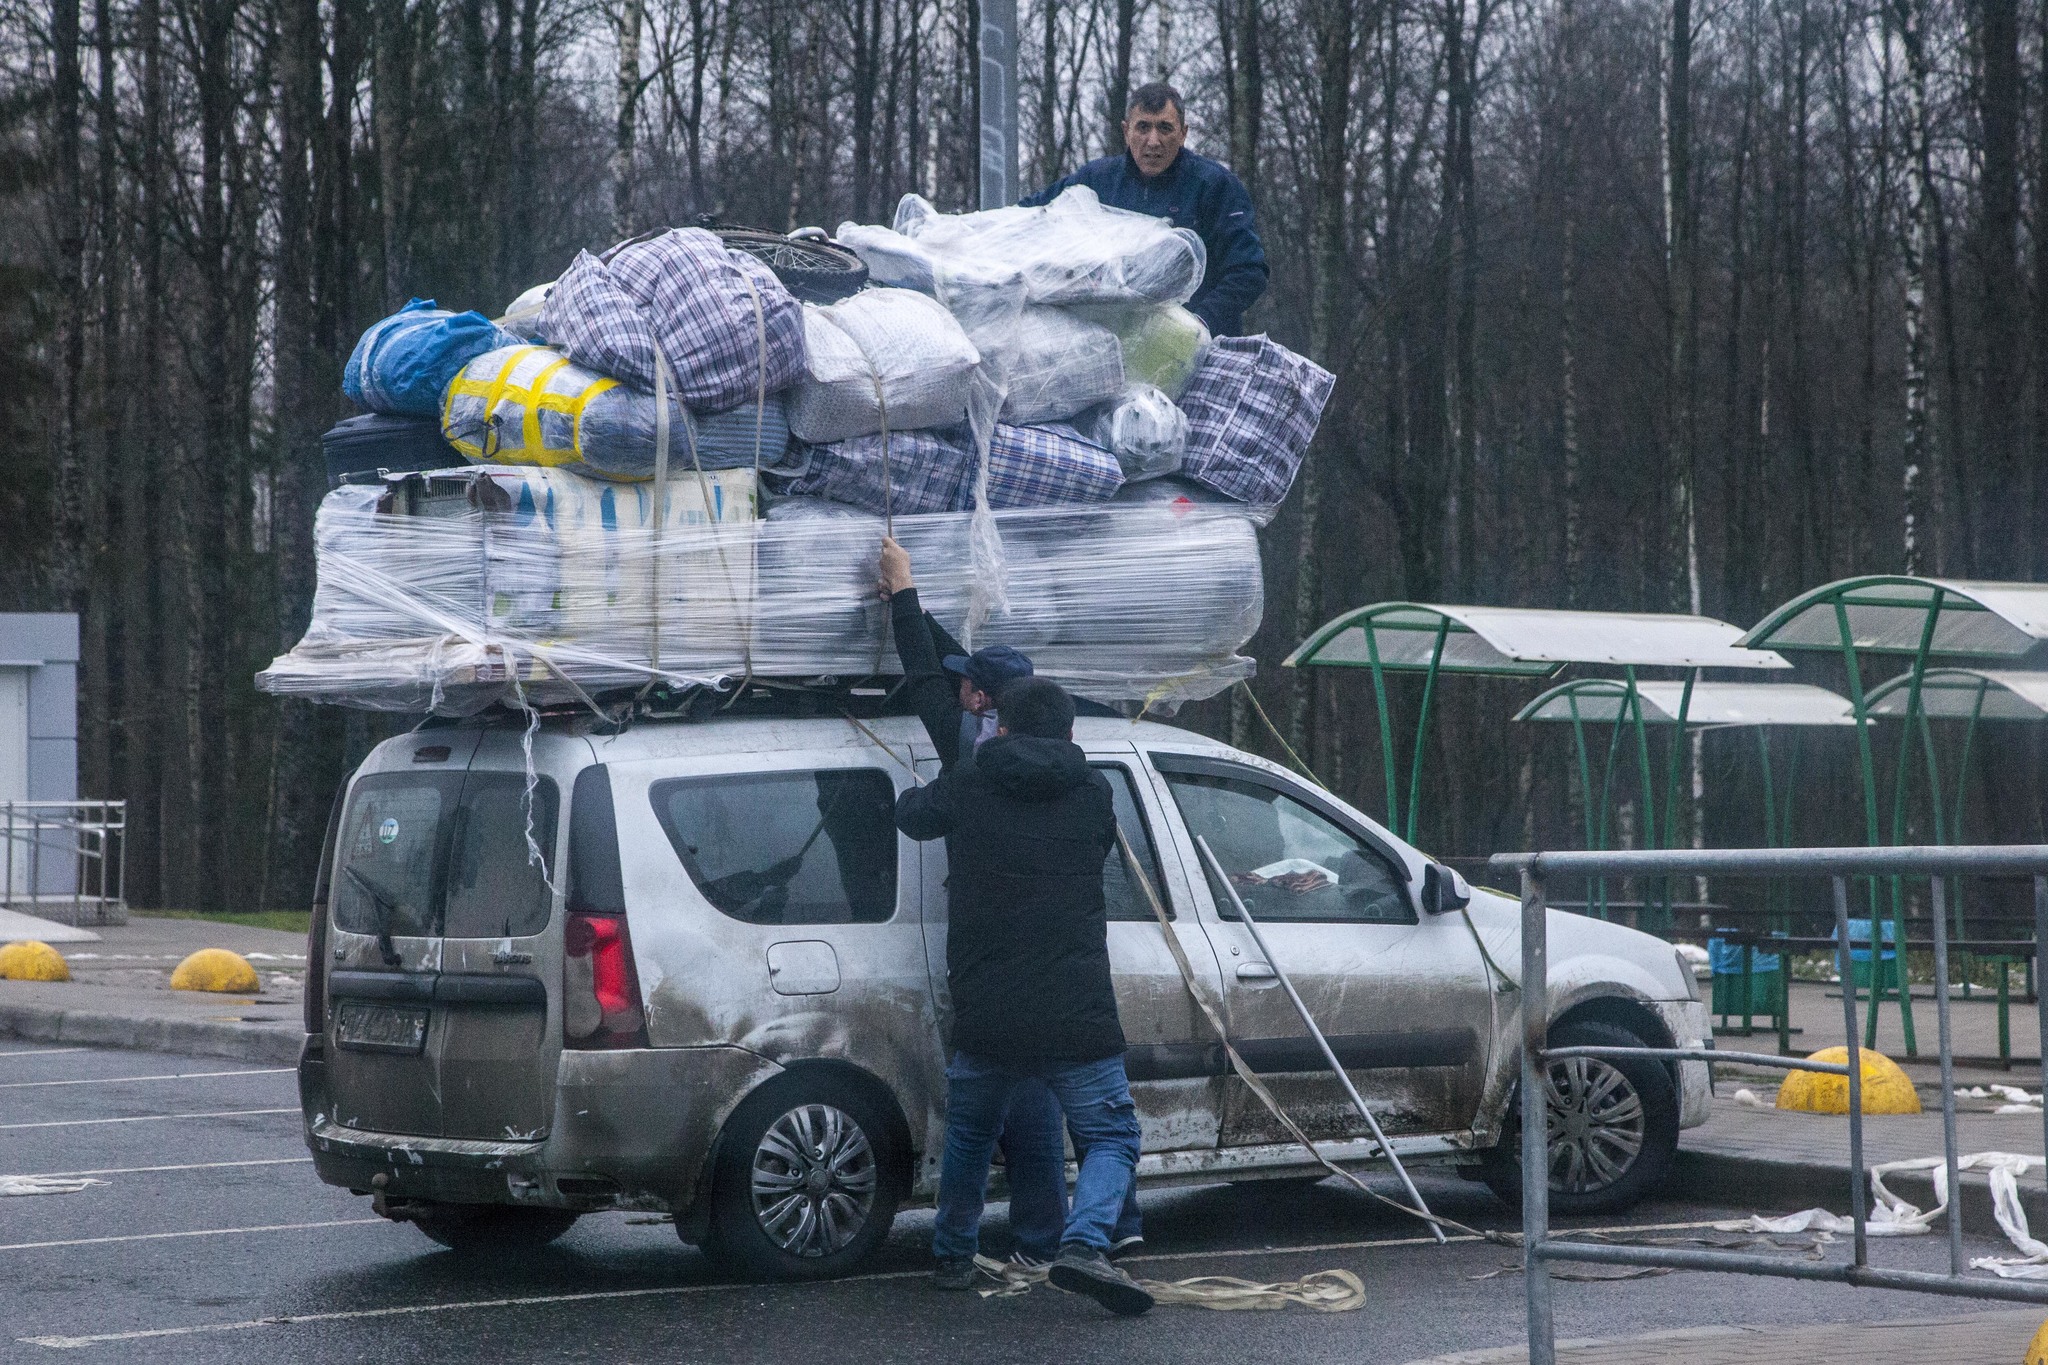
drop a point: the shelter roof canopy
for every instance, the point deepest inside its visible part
(1523, 641)
(1712, 703)
(1887, 614)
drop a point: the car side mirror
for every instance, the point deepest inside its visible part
(1443, 890)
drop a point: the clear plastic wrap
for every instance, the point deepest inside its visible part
(441, 602)
(1143, 429)
(1162, 344)
(1050, 362)
(531, 405)
(1186, 495)
(881, 346)
(1073, 250)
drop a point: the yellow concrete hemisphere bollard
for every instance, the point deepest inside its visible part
(1886, 1090)
(30, 960)
(2037, 1349)
(215, 969)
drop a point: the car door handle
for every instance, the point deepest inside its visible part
(1256, 971)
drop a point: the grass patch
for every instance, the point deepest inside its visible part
(292, 921)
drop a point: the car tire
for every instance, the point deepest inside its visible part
(809, 1172)
(474, 1228)
(1614, 1127)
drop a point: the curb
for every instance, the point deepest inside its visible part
(198, 1037)
(1787, 1186)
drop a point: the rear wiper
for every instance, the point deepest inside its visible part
(383, 903)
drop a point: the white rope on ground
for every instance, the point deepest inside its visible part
(43, 1184)
(1325, 1291)
(1896, 1217)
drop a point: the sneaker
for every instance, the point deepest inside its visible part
(1084, 1270)
(1126, 1246)
(955, 1273)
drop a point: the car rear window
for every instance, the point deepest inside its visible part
(787, 847)
(441, 854)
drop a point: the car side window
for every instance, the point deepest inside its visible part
(1123, 898)
(787, 847)
(1287, 860)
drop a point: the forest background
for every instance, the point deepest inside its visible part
(1633, 304)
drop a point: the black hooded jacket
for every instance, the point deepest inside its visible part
(1027, 825)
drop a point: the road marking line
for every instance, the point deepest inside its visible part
(195, 1166)
(119, 1080)
(196, 1232)
(601, 1295)
(149, 1118)
(45, 1051)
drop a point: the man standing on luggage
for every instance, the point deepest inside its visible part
(1027, 825)
(1157, 175)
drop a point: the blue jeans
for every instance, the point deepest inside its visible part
(1034, 1157)
(1096, 1098)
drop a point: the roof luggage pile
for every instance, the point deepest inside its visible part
(1077, 467)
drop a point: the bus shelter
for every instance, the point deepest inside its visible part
(1761, 707)
(1923, 619)
(1515, 642)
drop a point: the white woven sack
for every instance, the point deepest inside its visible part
(908, 342)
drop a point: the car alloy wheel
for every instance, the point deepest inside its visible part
(813, 1180)
(1597, 1125)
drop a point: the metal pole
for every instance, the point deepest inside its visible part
(1948, 1074)
(1388, 763)
(1329, 1055)
(1856, 1192)
(1536, 1118)
(2041, 991)
(1436, 659)
(998, 111)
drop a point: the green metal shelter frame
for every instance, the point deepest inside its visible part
(1513, 642)
(1924, 618)
(1761, 707)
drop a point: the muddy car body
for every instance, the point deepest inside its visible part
(719, 989)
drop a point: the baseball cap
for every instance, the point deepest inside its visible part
(990, 668)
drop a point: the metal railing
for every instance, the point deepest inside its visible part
(65, 860)
(1838, 864)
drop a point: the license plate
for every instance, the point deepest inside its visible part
(365, 1027)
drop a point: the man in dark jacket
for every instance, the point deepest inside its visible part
(1027, 825)
(1156, 175)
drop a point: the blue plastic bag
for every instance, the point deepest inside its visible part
(404, 363)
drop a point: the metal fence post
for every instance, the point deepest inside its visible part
(1536, 1117)
(2041, 992)
(1938, 887)
(1857, 1196)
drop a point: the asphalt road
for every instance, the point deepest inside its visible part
(210, 1220)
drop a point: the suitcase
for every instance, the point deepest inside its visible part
(360, 446)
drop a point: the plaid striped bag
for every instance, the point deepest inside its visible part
(686, 289)
(933, 470)
(1252, 408)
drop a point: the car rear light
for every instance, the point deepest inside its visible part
(601, 991)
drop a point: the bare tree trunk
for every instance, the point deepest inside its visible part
(2035, 565)
(1119, 91)
(67, 546)
(1460, 59)
(1335, 27)
(1903, 18)
(1567, 300)
(627, 94)
(1681, 321)
(2000, 530)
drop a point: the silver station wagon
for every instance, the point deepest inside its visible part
(690, 967)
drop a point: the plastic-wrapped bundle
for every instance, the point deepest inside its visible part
(903, 342)
(440, 602)
(1144, 430)
(531, 405)
(729, 329)
(1073, 250)
(1253, 407)
(402, 364)
(1162, 344)
(1052, 363)
(933, 471)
